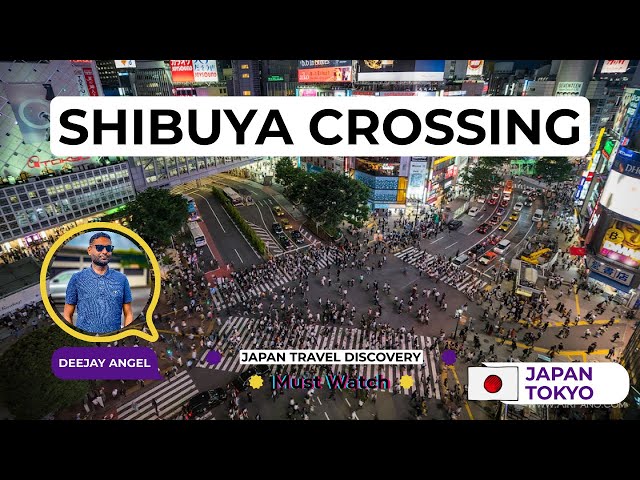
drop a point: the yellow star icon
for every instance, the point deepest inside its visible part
(256, 382)
(406, 381)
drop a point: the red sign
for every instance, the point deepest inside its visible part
(91, 82)
(35, 162)
(589, 176)
(578, 251)
(182, 71)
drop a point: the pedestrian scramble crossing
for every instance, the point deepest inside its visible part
(413, 256)
(326, 338)
(265, 287)
(169, 395)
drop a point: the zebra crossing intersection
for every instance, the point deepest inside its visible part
(169, 395)
(413, 256)
(265, 287)
(327, 337)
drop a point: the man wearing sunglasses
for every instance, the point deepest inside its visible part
(100, 294)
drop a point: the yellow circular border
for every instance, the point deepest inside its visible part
(151, 337)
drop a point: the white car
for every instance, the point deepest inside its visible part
(518, 207)
(506, 196)
(58, 284)
(473, 211)
(480, 199)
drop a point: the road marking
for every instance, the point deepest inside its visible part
(238, 255)
(325, 414)
(577, 303)
(466, 404)
(318, 398)
(347, 401)
(437, 240)
(211, 208)
(451, 245)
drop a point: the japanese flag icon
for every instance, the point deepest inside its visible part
(493, 383)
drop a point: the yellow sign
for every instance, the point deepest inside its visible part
(153, 335)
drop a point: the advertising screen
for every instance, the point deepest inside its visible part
(617, 192)
(474, 67)
(325, 75)
(621, 243)
(626, 111)
(400, 70)
(304, 64)
(417, 177)
(615, 66)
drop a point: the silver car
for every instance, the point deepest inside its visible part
(58, 284)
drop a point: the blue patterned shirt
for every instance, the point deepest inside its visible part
(99, 299)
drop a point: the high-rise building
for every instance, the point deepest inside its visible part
(152, 78)
(246, 78)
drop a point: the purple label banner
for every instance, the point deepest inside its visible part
(105, 363)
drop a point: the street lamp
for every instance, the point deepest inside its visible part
(457, 315)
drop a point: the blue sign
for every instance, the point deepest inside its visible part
(627, 162)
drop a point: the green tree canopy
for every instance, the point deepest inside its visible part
(331, 198)
(554, 169)
(29, 388)
(479, 179)
(285, 171)
(493, 162)
(157, 214)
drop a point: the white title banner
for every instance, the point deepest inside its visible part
(320, 126)
(332, 357)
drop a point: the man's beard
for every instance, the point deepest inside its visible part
(100, 263)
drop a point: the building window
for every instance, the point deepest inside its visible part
(246, 93)
(245, 75)
(244, 66)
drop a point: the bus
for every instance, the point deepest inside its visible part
(233, 196)
(508, 187)
(196, 233)
(192, 209)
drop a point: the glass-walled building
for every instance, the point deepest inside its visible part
(28, 208)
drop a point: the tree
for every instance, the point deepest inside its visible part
(157, 214)
(285, 171)
(496, 163)
(554, 169)
(331, 198)
(296, 189)
(29, 388)
(479, 179)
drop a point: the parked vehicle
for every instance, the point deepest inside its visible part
(473, 211)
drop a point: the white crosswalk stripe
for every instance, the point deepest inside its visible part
(263, 234)
(170, 395)
(326, 338)
(265, 286)
(413, 257)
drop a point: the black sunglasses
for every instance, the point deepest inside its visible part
(99, 248)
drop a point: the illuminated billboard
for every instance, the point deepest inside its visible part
(615, 66)
(181, 71)
(621, 243)
(627, 109)
(617, 192)
(400, 70)
(569, 88)
(125, 63)
(205, 71)
(474, 67)
(325, 75)
(305, 64)
(194, 71)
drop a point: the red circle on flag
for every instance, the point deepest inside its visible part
(493, 383)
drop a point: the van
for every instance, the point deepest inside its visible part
(502, 246)
(537, 216)
(460, 260)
